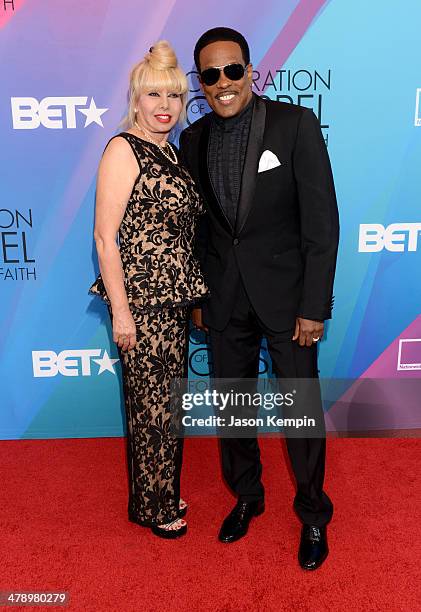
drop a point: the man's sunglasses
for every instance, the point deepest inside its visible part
(233, 72)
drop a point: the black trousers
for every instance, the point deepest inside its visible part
(235, 354)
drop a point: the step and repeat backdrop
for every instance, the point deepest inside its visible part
(63, 87)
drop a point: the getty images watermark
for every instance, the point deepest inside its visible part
(220, 401)
(303, 407)
(232, 408)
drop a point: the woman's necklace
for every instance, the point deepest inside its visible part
(172, 157)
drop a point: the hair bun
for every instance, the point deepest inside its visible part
(161, 56)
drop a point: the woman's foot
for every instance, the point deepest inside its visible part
(172, 530)
(182, 508)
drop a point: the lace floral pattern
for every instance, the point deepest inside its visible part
(156, 235)
(154, 453)
(161, 278)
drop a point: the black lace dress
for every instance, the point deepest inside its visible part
(162, 280)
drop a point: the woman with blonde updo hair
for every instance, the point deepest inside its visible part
(150, 279)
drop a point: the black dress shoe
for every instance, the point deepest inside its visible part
(313, 547)
(237, 522)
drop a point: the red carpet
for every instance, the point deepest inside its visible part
(64, 527)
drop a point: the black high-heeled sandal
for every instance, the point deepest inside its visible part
(183, 511)
(169, 534)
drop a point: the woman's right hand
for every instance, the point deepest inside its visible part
(124, 330)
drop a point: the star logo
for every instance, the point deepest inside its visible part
(106, 363)
(93, 114)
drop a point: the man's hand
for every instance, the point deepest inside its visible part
(307, 331)
(196, 317)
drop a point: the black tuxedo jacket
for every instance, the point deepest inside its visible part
(285, 240)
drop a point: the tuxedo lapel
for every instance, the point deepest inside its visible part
(205, 180)
(251, 162)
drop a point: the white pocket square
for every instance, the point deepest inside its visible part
(267, 161)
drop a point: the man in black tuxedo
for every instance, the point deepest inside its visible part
(268, 246)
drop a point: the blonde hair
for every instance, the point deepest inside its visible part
(158, 70)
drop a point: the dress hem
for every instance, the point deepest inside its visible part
(137, 521)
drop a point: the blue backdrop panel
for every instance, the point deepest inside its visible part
(63, 93)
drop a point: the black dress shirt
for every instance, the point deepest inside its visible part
(227, 151)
